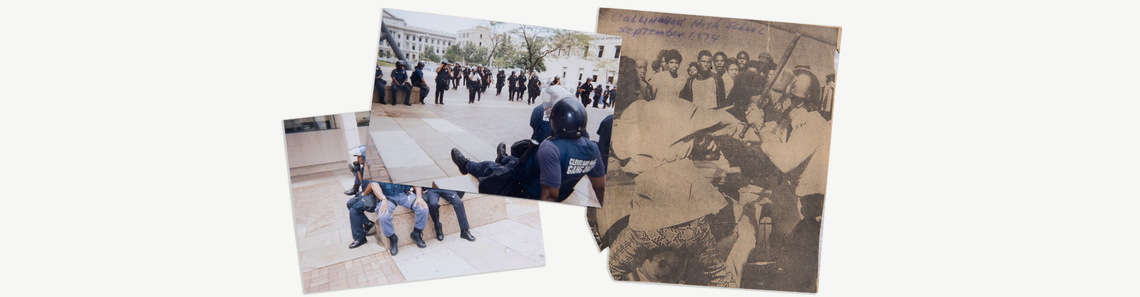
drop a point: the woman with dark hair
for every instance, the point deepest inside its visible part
(730, 73)
(659, 64)
(693, 69)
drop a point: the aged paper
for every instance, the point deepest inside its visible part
(721, 139)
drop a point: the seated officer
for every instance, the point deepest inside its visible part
(404, 195)
(358, 168)
(400, 82)
(432, 196)
(560, 162)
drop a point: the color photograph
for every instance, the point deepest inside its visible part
(432, 127)
(356, 231)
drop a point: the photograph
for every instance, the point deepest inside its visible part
(524, 141)
(354, 228)
(722, 133)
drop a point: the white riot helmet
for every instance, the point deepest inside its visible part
(554, 94)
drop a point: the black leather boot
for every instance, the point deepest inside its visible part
(460, 160)
(439, 231)
(467, 235)
(500, 152)
(417, 236)
(392, 242)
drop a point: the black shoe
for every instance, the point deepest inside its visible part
(500, 152)
(369, 228)
(439, 231)
(392, 241)
(417, 236)
(459, 160)
(467, 235)
(350, 192)
(405, 104)
(358, 243)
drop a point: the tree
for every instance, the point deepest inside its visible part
(540, 42)
(453, 53)
(497, 39)
(473, 54)
(429, 53)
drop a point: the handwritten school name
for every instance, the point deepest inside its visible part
(669, 27)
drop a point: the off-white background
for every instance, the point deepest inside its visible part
(979, 147)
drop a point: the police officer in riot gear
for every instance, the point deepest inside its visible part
(557, 165)
(400, 82)
(568, 155)
(418, 81)
(442, 77)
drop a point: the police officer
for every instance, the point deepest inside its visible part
(442, 77)
(511, 86)
(358, 168)
(400, 82)
(487, 77)
(404, 195)
(432, 196)
(534, 87)
(520, 86)
(598, 95)
(457, 75)
(473, 79)
(500, 79)
(380, 83)
(418, 81)
(584, 91)
(568, 155)
(540, 116)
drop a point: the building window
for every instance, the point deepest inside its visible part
(311, 124)
(601, 49)
(617, 51)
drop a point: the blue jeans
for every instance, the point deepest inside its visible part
(404, 200)
(356, 218)
(432, 196)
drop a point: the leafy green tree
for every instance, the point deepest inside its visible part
(473, 54)
(453, 53)
(540, 42)
(429, 53)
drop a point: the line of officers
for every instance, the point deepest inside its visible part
(451, 76)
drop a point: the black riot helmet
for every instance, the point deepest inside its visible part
(420, 65)
(401, 64)
(568, 119)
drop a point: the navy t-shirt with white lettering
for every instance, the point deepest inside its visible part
(583, 158)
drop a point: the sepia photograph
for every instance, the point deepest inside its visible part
(719, 160)
(431, 126)
(354, 230)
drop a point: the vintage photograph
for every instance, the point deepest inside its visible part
(355, 228)
(722, 133)
(431, 126)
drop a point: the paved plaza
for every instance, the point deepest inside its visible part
(415, 141)
(509, 239)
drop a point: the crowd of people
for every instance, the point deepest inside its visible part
(477, 79)
(725, 110)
